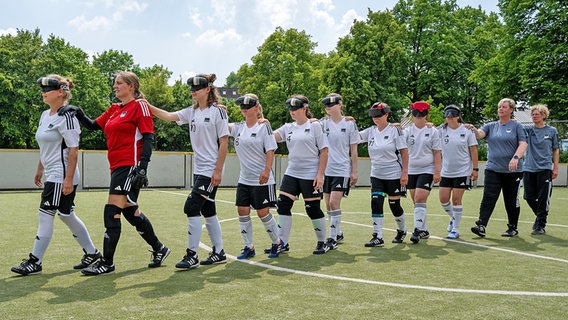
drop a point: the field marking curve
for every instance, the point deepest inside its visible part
(389, 284)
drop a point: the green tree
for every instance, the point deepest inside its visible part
(232, 81)
(535, 52)
(284, 65)
(110, 62)
(369, 66)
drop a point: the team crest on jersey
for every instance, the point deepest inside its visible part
(427, 135)
(50, 126)
(386, 137)
(462, 135)
(206, 120)
(307, 130)
(509, 130)
(343, 130)
(123, 114)
(253, 135)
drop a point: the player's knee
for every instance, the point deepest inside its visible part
(377, 201)
(130, 216)
(208, 209)
(285, 205)
(193, 204)
(112, 222)
(313, 209)
(395, 207)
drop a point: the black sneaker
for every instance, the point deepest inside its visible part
(215, 258)
(415, 236)
(424, 234)
(340, 238)
(98, 268)
(88, 259)
(510, 232)
(332, 244)
(28, 266)
(159, 256)
(400, 235)
(189, 261)
(375, 242)
(479, 229)
(538, 230)
(283, 249)
(321, 248)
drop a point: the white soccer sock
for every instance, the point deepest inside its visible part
(214, 229)
(194, 231)
(245, 224)
(458, 212)
(400, 222)
(378, 226)
(420, 216)
(320, 228)
(79, 231)
(271, 228)
(448, 208)
(334, 222)
(44, 232)
(284, 227)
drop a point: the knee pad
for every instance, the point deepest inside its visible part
(193, 204)
(313, 209)
(377, 201)
(395, 207)
(110, 221)
(208, 209)
(129, 215)
(284, 206)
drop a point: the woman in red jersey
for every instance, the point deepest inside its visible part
(129, 130)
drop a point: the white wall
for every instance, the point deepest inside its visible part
(167, 169)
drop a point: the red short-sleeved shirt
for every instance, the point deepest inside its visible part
(123, 126)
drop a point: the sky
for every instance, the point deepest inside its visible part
(190, 36)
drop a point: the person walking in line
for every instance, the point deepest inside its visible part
(209, 135)
(129, 130)
(506, 145)
(58, 140)
(255, 145)
(307, 159)
(341, 169)
(389, 172)
(459, 166)
(424, 163)
(541, 166)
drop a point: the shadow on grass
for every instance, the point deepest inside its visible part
(18, 286)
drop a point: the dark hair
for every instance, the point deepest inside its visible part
(213, 97)
(306, 101)
(131, 78)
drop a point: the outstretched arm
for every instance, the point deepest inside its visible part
(163, 114)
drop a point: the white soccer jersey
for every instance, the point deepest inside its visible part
(421, 143)
(304, 143)
(205, 128)
(384, 150)
(251, 145)
(340, 137)
(456, 159)
(54, 136)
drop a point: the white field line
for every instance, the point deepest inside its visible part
(398, 285)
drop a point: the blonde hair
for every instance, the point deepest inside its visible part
(131, 78)
(511, 102)
(542, 109)
(64, 81)
(213, 97)
(259, 114)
